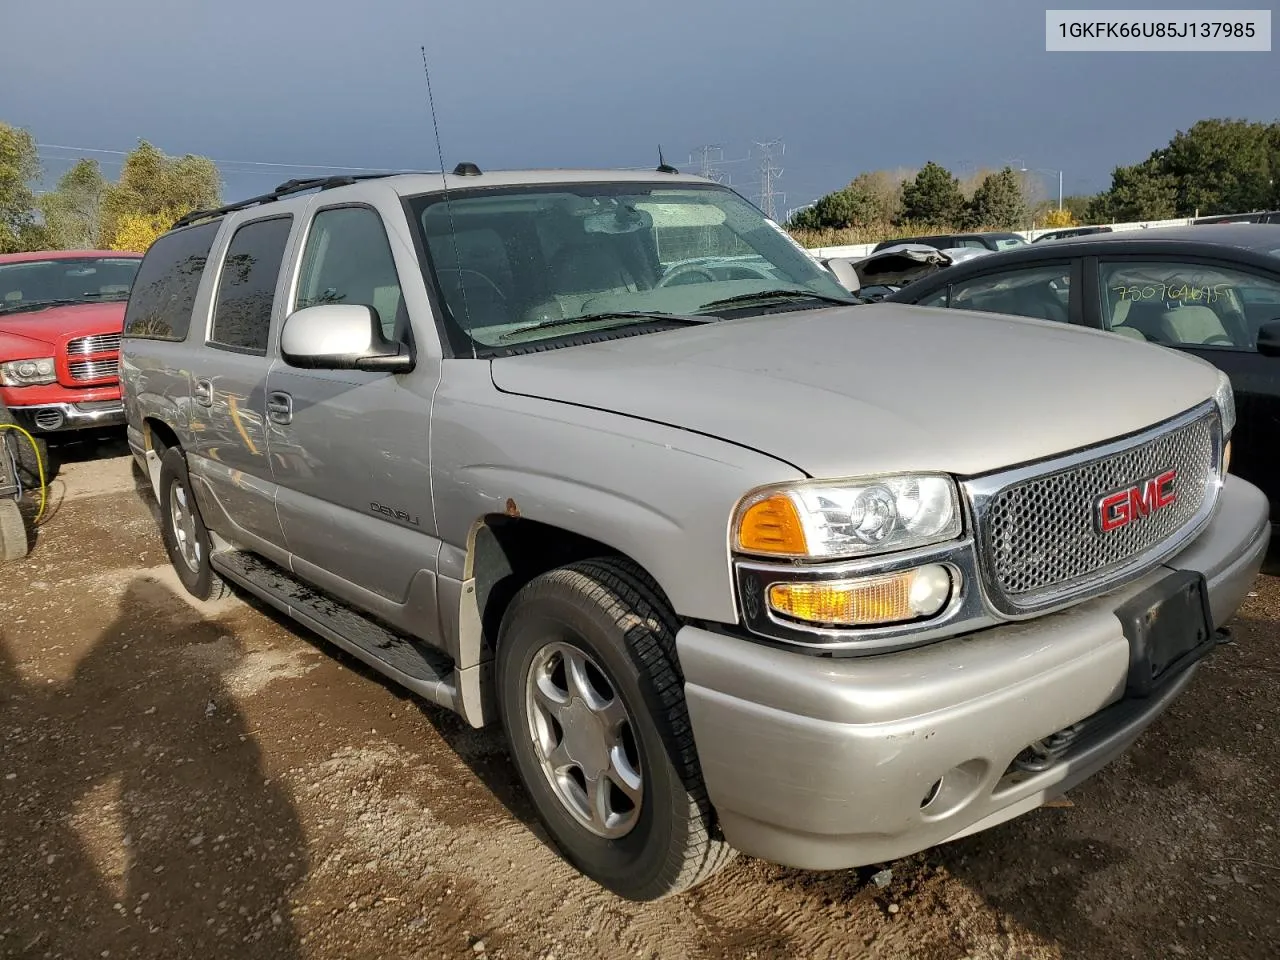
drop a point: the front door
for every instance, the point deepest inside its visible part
(350, 447)
(1212, 310)
(228, 457)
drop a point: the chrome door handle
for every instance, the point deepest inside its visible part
(204, 393)
(280, 407)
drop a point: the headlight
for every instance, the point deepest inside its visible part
(27, 373)
(822, 520)
(1225, 398)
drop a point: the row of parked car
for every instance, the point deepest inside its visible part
(608, 460)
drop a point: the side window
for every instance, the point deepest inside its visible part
(1179, 303)
(247, 286)
(348, 260)
(1042, 293)
(164, 289)
(939, 299)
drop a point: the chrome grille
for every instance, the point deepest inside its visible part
(1041, 543)
(100, 343)
(94, 369)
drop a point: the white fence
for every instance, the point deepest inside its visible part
(864, 249)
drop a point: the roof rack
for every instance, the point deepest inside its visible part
(286, 189)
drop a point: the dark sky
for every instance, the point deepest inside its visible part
(846, 85)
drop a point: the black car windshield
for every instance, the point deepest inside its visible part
(33, 284)
(517, 266)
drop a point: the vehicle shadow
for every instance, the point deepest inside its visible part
(136, 818)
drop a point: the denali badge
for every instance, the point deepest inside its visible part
(1123, 507)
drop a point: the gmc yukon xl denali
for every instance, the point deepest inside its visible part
(737, 562)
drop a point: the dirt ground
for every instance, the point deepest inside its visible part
(216, 782)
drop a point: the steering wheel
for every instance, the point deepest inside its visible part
(492, 286)
(684, 271)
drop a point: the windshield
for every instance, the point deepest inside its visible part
(522, 265)
(33, 284)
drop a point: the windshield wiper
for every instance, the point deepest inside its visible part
(37, 304)
(99, 295)
(789, 293)
(607, 315)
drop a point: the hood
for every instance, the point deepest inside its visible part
(56, 325)
(878, 388)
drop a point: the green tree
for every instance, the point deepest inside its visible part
(997, 203)
(843, 208)
(152, 184)
(1220, 166)
(19, 168)
(72, 211)
(1143, 191)
(933, 197)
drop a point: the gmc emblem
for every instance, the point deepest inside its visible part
(1123, 507)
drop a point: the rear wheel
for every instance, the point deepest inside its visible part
(592, 701)
(185, 537)
(13, 531)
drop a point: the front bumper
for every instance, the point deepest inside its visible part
(824, 763)
(61, 417)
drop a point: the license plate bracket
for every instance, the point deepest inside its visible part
(1169, 626)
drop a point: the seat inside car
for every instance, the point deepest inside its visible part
(1194, 324)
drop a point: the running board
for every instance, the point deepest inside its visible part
(427, 672)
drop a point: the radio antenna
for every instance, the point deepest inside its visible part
(448, 207)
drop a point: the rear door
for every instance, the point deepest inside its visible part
(1211, 309)
(229, 378)
(350, 448)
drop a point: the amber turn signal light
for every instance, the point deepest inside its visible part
(772, 525)
(865, 601)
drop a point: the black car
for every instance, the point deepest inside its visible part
(1212, 291)
(947, 241)
(1066, 232)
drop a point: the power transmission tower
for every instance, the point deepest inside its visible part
(769, 174)
(706, 158)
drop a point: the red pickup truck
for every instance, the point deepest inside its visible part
(61, 313)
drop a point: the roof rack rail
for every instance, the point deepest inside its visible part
(286, 189)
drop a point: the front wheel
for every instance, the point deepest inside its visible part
(592, 702)
(185, 537)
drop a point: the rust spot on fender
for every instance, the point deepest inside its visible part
(513, 510)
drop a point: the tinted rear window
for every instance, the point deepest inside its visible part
(165, 288)
(247, 287)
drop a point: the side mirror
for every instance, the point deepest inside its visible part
(842, 269)
(1269, 339)
(340, 336)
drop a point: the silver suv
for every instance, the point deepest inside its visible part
(738, 562)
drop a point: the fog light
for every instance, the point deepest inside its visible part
(865, 601)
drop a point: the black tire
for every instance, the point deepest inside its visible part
(20, 446)
(14, 544)
(613, 611)
(198, 578)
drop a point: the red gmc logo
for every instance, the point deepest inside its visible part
(1123, 507)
